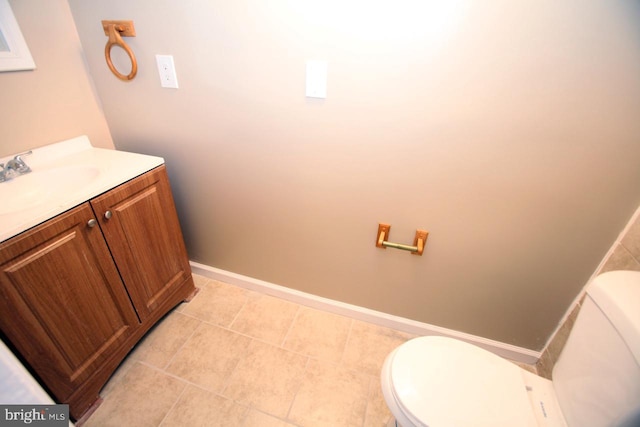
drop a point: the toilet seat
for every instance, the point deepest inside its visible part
(439, 381)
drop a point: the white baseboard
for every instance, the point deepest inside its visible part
(508, 351)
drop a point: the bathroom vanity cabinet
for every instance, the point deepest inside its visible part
(78, 291)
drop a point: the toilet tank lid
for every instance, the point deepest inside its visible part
(617, 294)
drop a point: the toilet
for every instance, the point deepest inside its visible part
(443, 382)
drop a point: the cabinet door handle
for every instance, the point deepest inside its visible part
(92, 222)
(107, 215)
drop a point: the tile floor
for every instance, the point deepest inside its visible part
(234, 357)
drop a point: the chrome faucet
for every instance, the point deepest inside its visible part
(18, 165)
(14, 167)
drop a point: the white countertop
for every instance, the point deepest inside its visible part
(114, 167)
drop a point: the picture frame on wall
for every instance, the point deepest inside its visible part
(14, 52)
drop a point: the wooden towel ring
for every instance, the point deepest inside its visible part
(115, 30)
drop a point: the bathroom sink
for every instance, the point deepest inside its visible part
(64, 174)
(45, 186)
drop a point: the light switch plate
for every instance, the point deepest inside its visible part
(167, 71)
(316, 78)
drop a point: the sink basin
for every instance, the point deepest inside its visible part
(39, 187)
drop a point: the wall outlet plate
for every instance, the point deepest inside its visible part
(167, 71)
(316, 79)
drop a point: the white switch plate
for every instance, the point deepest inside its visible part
(316, 78)
(167, 71)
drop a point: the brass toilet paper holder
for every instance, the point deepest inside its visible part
(418, 242)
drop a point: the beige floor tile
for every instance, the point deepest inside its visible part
(369, 345)
(199, 280)
(378, 414)
(330, 396)
(259, 419)
(165, 339)
(217, 303)
(318, 334)
(192, 370)
(209, 356)
(117, 376)
(265, 318)
(142, 398)
(267, 378)
(200, 408)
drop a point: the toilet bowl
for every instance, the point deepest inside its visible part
(440, 382)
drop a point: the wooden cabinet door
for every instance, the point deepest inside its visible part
(62, 303)
(143, 233)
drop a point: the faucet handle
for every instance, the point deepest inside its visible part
(18, 164)
(18, 157)
(26, 153)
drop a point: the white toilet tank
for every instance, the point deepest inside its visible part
(597, 377)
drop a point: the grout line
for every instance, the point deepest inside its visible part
(216, 325)
(169, 374)
(369, 400)
(170, 361)
(293, 322)
(295, 395)
(247, 411)
(261, 341)
(244, 304)
(199, 387)
(186, 381)
(346, 343)
(175, 403)
(227, 380)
